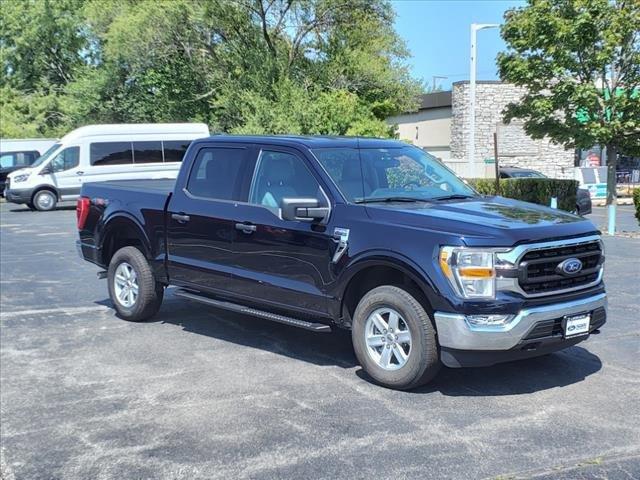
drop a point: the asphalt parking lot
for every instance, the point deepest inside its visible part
(202, 393)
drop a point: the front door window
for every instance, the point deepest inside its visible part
(67, 159)
(282, 175)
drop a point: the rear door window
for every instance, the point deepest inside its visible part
(18, 159)
(8, 160)
(111, 153)
(218, 173)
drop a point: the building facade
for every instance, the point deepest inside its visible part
(430, 127)
(427, 129)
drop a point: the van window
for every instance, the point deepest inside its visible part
(18, 159)
(147, 152)
(8, 160)
(217, 173)
(174, 150)
(66, 159)
(111, 153)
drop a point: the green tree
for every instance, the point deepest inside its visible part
(579, 61)
(245, 66)
(42, 48)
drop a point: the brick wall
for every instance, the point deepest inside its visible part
(515, 148)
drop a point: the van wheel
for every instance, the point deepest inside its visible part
(132, 287)
(45, 200)
(394, 339)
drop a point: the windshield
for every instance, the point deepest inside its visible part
(390, 174)
(526, 174)
(46, 155)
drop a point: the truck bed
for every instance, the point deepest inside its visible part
(137, 203)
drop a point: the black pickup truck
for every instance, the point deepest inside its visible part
(370, 235)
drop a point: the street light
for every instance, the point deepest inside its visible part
(434, 78)
(472, 92)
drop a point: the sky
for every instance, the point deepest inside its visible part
(437, 35)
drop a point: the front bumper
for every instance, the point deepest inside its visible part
(525, 333)
(18, 196)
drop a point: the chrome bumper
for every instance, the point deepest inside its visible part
(455, 332)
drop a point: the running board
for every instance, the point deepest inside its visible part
(234, 307)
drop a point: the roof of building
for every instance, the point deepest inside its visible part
(435, 100)
(479, 82)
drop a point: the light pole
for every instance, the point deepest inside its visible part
(434, 78)
(472, 92)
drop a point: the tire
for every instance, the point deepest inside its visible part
(140, 307)
(422, 358)
(44, 200)
(31, 206)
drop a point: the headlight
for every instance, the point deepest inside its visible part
(470, 271)
(20, 178)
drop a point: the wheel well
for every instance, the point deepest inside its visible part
(122, 234)
(45, 187)
(374, 276)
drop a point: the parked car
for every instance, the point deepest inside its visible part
(583, 197)
(374, 236)
(19, 153)
(12, 161)
(99, 153)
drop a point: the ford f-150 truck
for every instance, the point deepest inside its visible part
(370, 235)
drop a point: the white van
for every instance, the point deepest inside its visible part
(97, 153)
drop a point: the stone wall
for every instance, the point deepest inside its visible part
(515, 148)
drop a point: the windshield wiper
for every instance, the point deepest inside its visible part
(453, 196)
(389, 199)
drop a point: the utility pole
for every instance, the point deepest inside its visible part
(472, 92)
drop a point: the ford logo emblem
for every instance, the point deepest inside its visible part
(570, 266)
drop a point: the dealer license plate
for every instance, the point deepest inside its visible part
(576, 325)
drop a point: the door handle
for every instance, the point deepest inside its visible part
(246, 227)
(80, 173)
(180, 217)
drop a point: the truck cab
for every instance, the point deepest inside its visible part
(374, 236)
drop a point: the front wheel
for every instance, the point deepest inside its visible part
(394, 339)
(45, 200)
(132, 286)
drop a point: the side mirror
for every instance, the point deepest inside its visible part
(47, 169)
(303, 209)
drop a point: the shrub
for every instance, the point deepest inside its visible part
(534, 190)
(636, 202)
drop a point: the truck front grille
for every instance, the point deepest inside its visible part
(539, 268)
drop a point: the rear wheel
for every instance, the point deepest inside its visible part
(45, 200)
(394, 339)
(132, 286)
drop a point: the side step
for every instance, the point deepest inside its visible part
(234, 307)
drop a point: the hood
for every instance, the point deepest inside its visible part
(485, 221)
(21, 171)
